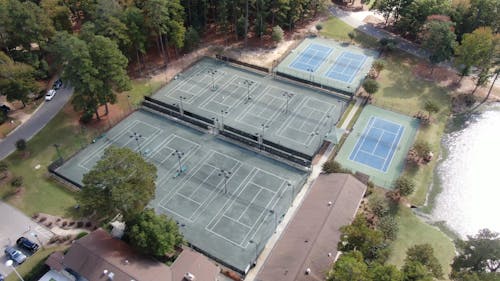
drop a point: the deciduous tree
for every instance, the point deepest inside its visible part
(424, 254)
(349, 267)
(479, 253)
(439, 40)
(361, 237)
(121, 182)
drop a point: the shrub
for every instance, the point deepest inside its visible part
(319, 27)
(3, 167)
(88, 224)
(21, 144)
(404, 185)
(81, 234)
(35, 216)
(17, 181)
(389, 227)
(332, 166)
(277, 34)
(379, 206)
(71, 223)
(423, 148)
(79, 224)
(42, 219)
(86, 117)
(48, 224)
(371, 86)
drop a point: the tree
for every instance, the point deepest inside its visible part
(387, 272)
(414, 14)
(479, 253)
(21, 145)
(58, 13)
(277, 34)
(438, 39)
(476, 49)
(121, 182)
(422, 147)
(361, 237)
(3, 169)
(387, 44)
(17, 80)
(424, 254)
(415, 271)
(389, 227)
(351, 35)
(192, 39)
(153, 234)
(371, 86)
(134, 20)
(386, 8)
(333, 166)
(404, 186)
(431, 107)
(349, 267)
(484, 13)
(378, 65)
(378, 205)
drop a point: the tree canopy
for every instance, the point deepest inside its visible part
(438, 38)
(153, 234)
(17, 79)
(361, 237)
(122, 182)
(479, 253)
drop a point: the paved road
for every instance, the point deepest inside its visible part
(355, 19)
(14, 224)
(41, 117)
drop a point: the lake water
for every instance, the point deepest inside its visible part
(469, 175)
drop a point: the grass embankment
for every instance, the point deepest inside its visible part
(33, 268)
(40, 193)
(401, 91)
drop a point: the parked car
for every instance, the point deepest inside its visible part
(15, 255)
(5, 110)
(57, 84)
(1, 277)
(27, 244)
(50, 95)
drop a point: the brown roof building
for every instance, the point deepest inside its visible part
(100, 257)
(310, 239)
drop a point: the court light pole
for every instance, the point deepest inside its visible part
(10, 263)
(226, 175)
(292, 189)
(179, 156)
(181, 106)
(212, 72)
(288, 96)
(248, 83)
(137, 137)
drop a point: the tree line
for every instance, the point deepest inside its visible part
(93, 41)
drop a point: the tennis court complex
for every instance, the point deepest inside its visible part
(278, 112)
(226, 200)
(328, 63)
(378, 145)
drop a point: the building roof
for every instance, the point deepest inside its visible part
(310, 239)
(99, 252)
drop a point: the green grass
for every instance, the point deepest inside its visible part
(33, 267)
(346, 113)
(336, 29)
(402, 91)
(40, 192)
(413, 231)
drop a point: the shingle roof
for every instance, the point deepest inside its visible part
(310, 239)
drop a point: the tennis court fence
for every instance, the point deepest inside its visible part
(235, 61)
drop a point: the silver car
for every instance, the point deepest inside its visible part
(15, 255)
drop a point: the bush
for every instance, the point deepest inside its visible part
(42, 219)
(277, 34)
(17, 181)
(240, 27)
(88, 224)
(21, 144)
(3, 117)
(79, 224)
(86, 117)
(379, 206)
(319, 27)
(332, 166)
(64, 223)
(389, 227)
(81, 234)
(3, 167)
(423, 148)
(371, 86)
(404, 185)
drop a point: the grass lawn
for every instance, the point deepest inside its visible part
(336, 29)
(34, 265)
(414, 231)
(40, 193)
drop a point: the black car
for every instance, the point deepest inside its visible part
(4, 108)
(25, 243)
(57, 84)
(1, 277)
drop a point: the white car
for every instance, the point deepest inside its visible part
(50, 95)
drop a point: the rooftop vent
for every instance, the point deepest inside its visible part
(189, 276)
(111, 275)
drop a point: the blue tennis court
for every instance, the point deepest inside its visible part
(377, 144)
(346, 67)
(311, 58)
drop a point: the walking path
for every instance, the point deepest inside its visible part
(351, 114)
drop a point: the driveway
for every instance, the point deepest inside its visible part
(38, 120)
(14, 224)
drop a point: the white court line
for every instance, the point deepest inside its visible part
(232, 81)
(394, 153)
(268, 119)
(173, 212)
(250, 204)
(219, 91)
(242, 224)
(188, 198)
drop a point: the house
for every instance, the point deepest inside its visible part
(100, 257)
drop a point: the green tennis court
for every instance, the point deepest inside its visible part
(335, 65)
(378, 145)
(226, 200)
(290, 115)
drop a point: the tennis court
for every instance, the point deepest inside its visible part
(293, 116)
(329, 64)
(311, 58)
(226, 200)
(378, 145)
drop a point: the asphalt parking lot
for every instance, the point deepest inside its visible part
(14, 224)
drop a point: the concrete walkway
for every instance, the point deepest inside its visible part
(351, 114)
